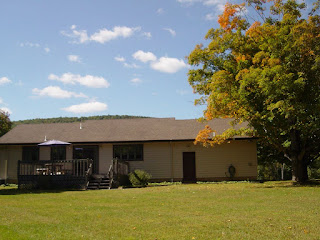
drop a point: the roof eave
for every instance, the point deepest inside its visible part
(128, 141)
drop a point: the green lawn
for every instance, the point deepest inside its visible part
(272, 210)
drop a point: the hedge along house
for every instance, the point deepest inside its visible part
(161, 146)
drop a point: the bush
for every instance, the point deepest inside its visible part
(139, 178)
(124, 181)
(314, 169)
(314, 173)
(272, 171)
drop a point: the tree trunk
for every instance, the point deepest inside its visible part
(299, 169)
(298, 158)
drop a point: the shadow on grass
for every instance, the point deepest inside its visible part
(290, 184)
(16, 191)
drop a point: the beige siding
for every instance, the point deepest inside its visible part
(214, 162)
(3, 159)
(44, 153)
(69, 152)
(12, 154)
(15, 154)
(211, 163)
(105, 157)
(156, 160)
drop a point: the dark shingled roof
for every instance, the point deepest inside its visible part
(113, 130)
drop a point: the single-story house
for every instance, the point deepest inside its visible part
(161, 146)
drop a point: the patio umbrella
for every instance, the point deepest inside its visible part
(54, 143)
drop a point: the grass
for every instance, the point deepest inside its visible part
(243, 210)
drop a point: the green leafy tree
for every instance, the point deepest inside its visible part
(266, 73)
(5, 123)
(272, 165)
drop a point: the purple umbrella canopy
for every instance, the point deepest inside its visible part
(54, 143)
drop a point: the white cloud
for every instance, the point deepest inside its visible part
(136, 81)
(220, 8)
(29, 44)
(88, 80)
(144, 56)
(34, 45)
(160, 11)
(147, 35)
(5, 109)
(102, 36)
(4, 80)
(87, 107)
(188, 1)
(131, 65)
(168, 65)
(81, 36)
(105, 35)
(56, 92)
(217, 4)
(119, 59)
(164, 64)
(74, 58)
(212, 2)
(171, 31)
(1, 101)
(211, 16)
(182, 92)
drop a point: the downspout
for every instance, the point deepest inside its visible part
(171, 156)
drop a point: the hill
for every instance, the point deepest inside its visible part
(72, 119)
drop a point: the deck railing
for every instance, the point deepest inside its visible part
(74, 167)
(59, 172)
(117, 169)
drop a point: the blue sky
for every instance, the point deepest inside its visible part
(83, 58)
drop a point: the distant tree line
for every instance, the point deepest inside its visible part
(72, 119)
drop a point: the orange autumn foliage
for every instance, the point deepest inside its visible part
(253, 30)
(229, 19)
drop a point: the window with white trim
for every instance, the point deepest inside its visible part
(128, 152)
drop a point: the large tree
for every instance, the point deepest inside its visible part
(265, 73)
(5, 123)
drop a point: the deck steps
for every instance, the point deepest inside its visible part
(100, 183)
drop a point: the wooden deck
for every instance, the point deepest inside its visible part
(55, 174)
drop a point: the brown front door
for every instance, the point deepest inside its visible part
(189, 167)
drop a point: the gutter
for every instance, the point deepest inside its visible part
(132, 141)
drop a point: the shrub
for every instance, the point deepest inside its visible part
(272, 171)
(314, 169)
(124, 181)
(139, 178)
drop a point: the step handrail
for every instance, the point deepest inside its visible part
(117, 169)
(110, 175)
(88, 172)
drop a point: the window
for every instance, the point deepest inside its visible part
(132, 152)
(87, 151)
(30, 154)
(58, 153)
